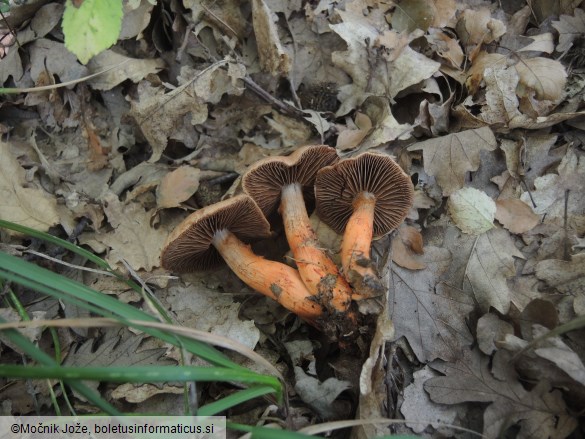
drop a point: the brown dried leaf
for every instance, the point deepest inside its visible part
(515, 215)
(351, 138)
(20, 201)
(490, 329)
(544, 77)
(429, 314)
(135, 393)
(478, 27)
(422, 14)
(446, 47)
(450, 157)
(540, 413)
(177, 186)
(407, 248)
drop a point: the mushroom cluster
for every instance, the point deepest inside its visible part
(367, 196)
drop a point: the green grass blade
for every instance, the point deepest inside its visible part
(39, 356)
(47, 282)
(234, 399)
(139, 374)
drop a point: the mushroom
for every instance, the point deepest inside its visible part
(284, 183)
(213, 233)
(363, 197)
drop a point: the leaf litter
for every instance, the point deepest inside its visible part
(479, 102)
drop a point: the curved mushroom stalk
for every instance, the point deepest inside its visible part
(355, 249)
(363, 197)
(317, 270)
(273, 279)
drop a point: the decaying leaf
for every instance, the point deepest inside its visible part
(21, 202)
(450, 157)
(429, 314)
(544, 77)
(177, 186)
(569, 28)
(128, 68)
(272, 55)
(138, 393)
(491, 329)
(472, 210)
(515, 215)
(407, 248)
(540, 413)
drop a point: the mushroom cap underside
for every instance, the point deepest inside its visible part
(265, 179)
(189, 247)
(337, 186)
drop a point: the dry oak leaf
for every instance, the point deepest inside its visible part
(490, 264)
(491, 329)
(540, 413)
(177, 186)
(477, 27)
(568, 277)
(450, 157)
(23, 205)
(136, 393)
(515, 215)
(133, 238)
(569, 29)
(472, 210)
(422, 14)
(430, 314)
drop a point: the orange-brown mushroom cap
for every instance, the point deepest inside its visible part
(189, 247)
(266, 178)
(336, 188)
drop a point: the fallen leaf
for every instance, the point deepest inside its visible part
(430, 314)
(540, 413)
(407, 248)
(319, 395)
(569, 28)
(515, 215)
(543, 76)
(133, 238)
(351, 138)
(446, 47)
(490, 264)
(476, 27)
(472, 210)
(422, 14)
(136, 393)
(500, 95)
(125, 68)
(20, 201)
(450, 157)
(568, 277)
(530, 157)
(177, 186)
(419, 408)
(273, 57)
(490, 329)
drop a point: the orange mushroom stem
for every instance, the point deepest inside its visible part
(273, 279)
(318, 272)
(357, 239)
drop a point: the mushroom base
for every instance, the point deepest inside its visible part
(273, 279)
(318, 271)
(355, 249)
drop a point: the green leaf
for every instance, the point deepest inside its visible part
(92, 27)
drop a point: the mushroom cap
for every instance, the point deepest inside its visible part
(189, 247)
(264, 180)
(336, 188)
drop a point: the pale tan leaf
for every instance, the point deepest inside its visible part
(568, 277)
(501, 101)
(407, 248)
(351, 138)
(450, 157)
(177, 186)
(446, 47)
(472, 210)
(515, 215)
(130, 68)
(422, 14)
(20, 201)
(490, 264)
(490, 329)
(134, 393)
(540, 43)
(320, 395)
(477, 26)
(543, 76)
